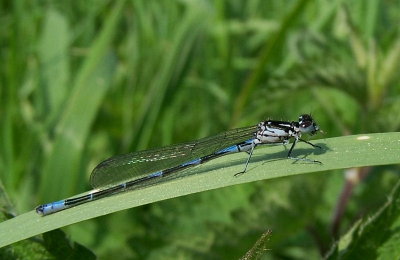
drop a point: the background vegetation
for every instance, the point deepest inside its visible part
(82, 81)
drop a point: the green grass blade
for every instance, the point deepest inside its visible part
(267, 163)
(54, 56)
(91, 85)
(268, 56)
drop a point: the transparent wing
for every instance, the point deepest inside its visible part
(125, 167)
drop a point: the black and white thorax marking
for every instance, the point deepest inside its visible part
(273, 132)
(280, 132)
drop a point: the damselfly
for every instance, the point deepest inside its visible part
(124, 172)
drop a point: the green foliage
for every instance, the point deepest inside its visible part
(59, 247)
(376, 237)
(82, 81)
(258, 248)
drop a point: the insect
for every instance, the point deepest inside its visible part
(124, 172)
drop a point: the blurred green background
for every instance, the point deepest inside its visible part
(81, 81)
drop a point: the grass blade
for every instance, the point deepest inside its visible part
(267, 163)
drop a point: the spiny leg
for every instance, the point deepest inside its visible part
(247, 162)
(302, 159)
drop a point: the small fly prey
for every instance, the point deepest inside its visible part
(128, 171)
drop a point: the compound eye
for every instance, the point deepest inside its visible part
(307, 125)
